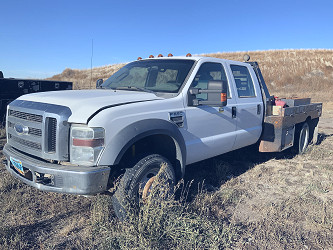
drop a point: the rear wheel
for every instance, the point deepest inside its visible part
(302, 139)
(137, 183)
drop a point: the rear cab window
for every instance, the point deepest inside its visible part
(243, 81)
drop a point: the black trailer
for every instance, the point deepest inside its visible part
(12, 88)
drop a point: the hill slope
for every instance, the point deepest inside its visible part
(286, 72)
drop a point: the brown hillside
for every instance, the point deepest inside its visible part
(287, 72)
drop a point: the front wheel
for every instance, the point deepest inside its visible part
(137, 182)
(302, 139)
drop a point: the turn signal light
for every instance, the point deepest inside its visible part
(223, 97)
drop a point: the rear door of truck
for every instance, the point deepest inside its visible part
(248, 110)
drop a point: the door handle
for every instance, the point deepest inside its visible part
(258, 109)
(233, 112)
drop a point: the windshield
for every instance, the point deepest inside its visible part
(165, 75)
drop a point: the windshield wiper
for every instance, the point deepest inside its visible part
(134, 89)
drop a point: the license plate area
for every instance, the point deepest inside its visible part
(18, 167)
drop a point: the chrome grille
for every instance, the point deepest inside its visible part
(45, 129)
(25, 143)
(26, 116)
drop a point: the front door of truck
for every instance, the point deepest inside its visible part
(209, 130)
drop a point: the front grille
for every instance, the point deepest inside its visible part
(26, 116)
(25, 143)
(45, 129)
(52, 134)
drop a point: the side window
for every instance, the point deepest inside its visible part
(209, 72)
(243, 81)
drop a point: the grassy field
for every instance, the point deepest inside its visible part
(243, 199)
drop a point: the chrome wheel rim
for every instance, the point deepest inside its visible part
(304, 139)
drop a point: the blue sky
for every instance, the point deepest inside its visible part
(40, 38)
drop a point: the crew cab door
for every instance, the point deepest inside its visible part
(248, 110)
(209, 130)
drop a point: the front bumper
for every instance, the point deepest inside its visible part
(58, 178)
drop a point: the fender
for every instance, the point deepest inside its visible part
(134, 132)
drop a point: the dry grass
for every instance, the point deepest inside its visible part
(83, 79)
(2, 132)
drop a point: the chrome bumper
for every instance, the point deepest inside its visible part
(57, 178)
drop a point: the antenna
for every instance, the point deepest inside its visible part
(91, 61)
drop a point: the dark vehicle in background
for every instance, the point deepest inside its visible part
(11, 88)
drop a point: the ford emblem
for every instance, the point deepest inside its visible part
(20, 129)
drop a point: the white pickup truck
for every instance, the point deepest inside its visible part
(171, 110)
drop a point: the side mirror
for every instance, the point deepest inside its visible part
(99, 82)
(216, 94)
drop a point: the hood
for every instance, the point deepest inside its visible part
(84, 103)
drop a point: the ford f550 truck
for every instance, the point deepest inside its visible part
(170, 111)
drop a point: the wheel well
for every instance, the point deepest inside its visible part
(299, 125)
(155, 144)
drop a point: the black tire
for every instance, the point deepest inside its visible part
(128, 194)
(313, 124)
(302, 138)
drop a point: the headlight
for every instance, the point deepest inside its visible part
(86, 144)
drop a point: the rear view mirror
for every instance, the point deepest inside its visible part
(216, 94)
(99, 82)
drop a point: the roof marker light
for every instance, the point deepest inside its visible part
(160, 55)
(188, 55)
(170, 55)
(139, 58)
(151, 56)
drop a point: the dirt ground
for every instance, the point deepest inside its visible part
(273, 200)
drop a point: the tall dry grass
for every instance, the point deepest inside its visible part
(84, 79)
(287, 73)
